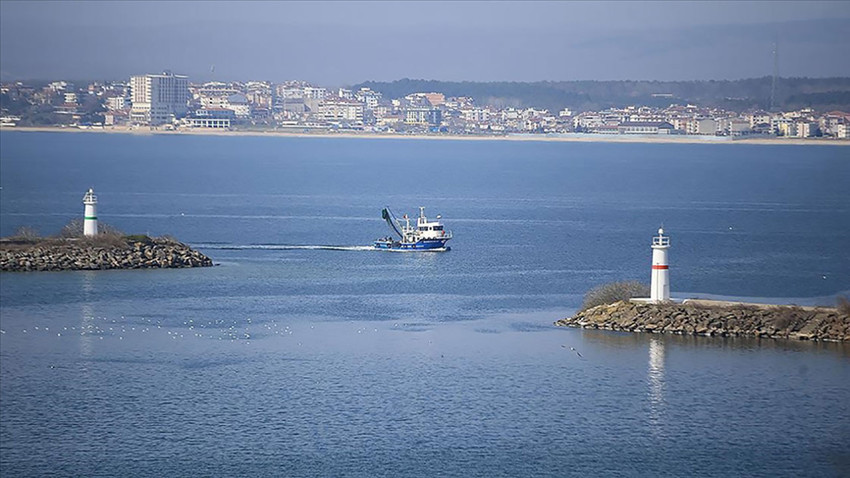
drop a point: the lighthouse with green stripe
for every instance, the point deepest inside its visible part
(90, 218)
(660, 285)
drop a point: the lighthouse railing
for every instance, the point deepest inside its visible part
(661, 241)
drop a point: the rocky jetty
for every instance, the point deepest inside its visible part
(722, 319)
(125, 252)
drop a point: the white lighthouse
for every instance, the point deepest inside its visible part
(660, 284)
(90, 217)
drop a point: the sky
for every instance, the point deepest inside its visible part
(342, 43)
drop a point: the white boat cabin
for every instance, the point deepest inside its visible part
(424, 229)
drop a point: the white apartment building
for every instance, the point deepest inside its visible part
(369, 98)
(115, 103)
(259, 94)
(806, 129)
(314, 93)
(476, 115)
(57, 86)
(759, 118)
(341, 109)
(239, 104)
(158, 99)
(784, 126)
(587, 120)
(707, 126)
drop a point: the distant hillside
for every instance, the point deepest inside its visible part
(822, 94)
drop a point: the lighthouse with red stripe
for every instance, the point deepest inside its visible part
(660, 285)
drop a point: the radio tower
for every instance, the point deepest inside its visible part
(775, 72)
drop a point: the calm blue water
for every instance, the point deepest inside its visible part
(292, 360)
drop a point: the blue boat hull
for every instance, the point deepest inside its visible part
(423, 245)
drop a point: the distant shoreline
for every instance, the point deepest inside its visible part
(569, 137)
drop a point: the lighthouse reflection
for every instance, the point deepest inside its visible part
(87, 325)
(656, 382)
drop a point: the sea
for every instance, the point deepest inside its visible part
(304, 352)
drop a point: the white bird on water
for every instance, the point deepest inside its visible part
(574, 350)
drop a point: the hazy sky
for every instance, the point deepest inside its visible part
(338, 43)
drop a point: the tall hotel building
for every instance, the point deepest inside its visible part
(158, 99)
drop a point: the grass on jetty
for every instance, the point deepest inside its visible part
(614, 292)
(107, 236)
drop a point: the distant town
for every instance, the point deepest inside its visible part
(168, 101)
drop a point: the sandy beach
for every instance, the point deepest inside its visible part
(563, 137)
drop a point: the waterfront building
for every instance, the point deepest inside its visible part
(259, 94)
(737, 126)
(238, 103)
(115, 118)
(806, 129)
(313, 97)
(605, 129)
(218, 113)
(341, 109)
(476, 115)
(588, 120)
(289, 90)
(707, 126)
(388, 120)
(370, 99)
(759, 118)
(659, 127)
(421, 115)
(158, 99)
(289, 99)
(783, 126)
(57, 86)
(678, 122)
(214, 97)
(9, 121)
(436, 99)
(210, 123)
(117, 103)
(314, 93)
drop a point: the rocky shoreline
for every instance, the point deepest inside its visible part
(708, 318)
(129, 252)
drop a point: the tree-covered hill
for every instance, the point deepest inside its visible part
(822, 94)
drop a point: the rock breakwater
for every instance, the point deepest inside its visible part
(717, 319)
(130, 252)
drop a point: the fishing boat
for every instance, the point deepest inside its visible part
(424, 236)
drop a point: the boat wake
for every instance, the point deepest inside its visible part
(283, 247)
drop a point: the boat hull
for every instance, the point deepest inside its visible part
(433, 245)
